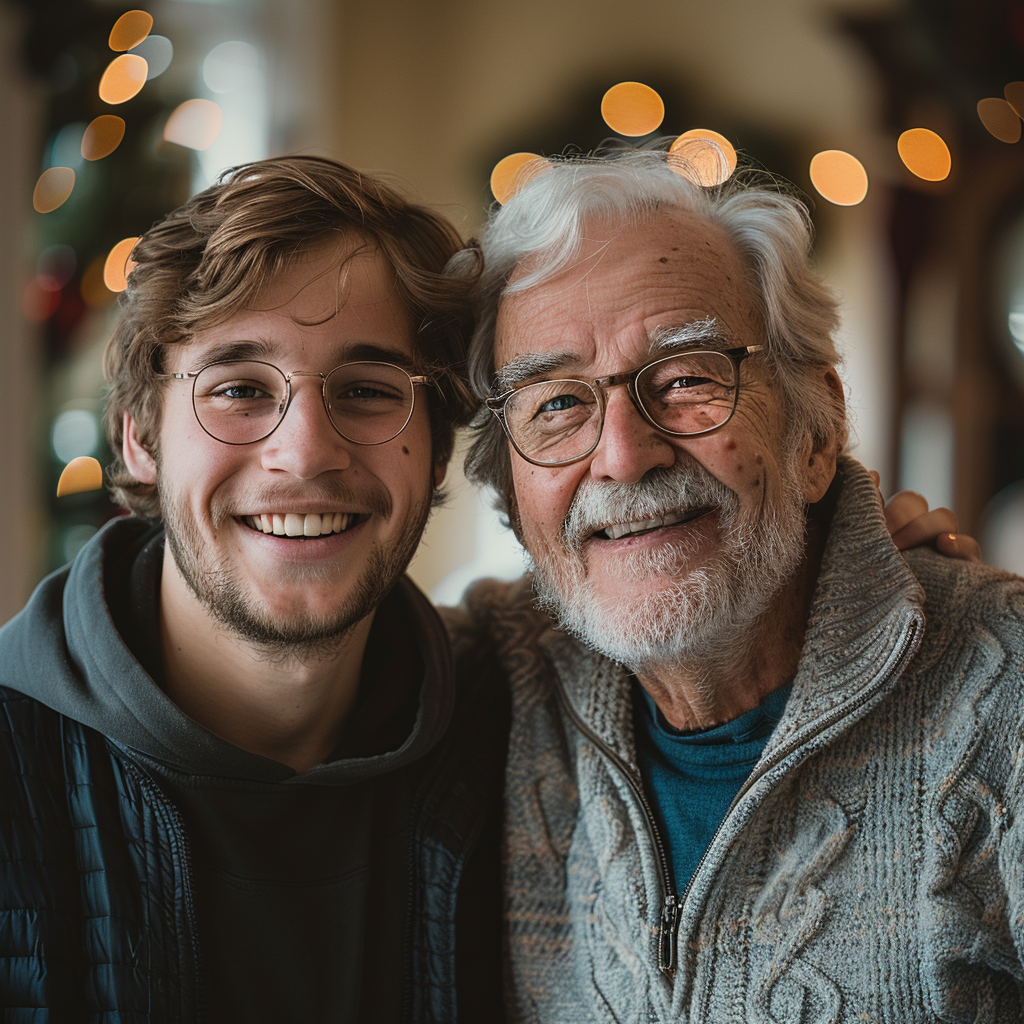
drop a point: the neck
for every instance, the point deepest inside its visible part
(703, 694)
(285, 707)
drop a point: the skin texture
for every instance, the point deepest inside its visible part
(287, 701)
(631, 281)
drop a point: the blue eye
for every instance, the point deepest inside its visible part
(559, 404)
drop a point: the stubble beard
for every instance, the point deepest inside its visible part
(706, 614)
(305, 636)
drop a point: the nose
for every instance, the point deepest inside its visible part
(305, 443)
(629, 445)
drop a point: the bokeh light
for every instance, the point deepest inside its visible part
(839, 177)
(194, 124)
(513, 172)
(632, 108)
(55, 267)
(124, 78)
(93, 291)
(38, 304)
(130, 29)
(75, 432)
(66, 149)
(118, 266)
(925, 154)
(1000, 119)
(52, 189)
(704, 156)
(230, 66)
(157, 52)
(1014, 94)
(82, 473)
(102, 137)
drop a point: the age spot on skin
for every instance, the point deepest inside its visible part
(664, 259)
(731, 446)
(405, 451)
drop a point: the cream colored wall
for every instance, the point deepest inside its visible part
(424, 91)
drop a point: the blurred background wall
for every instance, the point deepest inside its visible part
(433, 94)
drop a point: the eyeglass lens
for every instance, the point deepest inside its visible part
(243, 401)
(558, 420)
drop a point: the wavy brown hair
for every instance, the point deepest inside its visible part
(211, 258)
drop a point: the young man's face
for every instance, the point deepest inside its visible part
(288, 591)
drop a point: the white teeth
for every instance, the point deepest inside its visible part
(617, 530)
(297, 524)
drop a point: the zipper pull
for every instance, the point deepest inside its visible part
(668, 934)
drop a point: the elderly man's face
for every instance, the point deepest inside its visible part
(734, 499)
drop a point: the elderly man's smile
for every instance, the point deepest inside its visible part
(647, 527)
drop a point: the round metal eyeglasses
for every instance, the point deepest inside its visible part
(555, 422)
(241, 401)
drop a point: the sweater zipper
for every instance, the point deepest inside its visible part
(672, 903)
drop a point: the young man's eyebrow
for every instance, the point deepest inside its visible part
(707, 333)
(243, 348)
(268, 352)
(533, 364)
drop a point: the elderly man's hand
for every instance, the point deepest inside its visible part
(911, 524)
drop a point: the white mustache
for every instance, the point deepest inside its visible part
(658, 493)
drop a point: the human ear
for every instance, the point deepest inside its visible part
(136, 456)
(440, 472)
(817, 466)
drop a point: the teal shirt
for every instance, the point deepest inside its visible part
(691, 778)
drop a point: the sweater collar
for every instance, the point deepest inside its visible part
(865, 620)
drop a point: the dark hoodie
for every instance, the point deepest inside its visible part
(301, 880)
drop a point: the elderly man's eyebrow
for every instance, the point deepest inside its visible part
(709, 333)
(531, 365)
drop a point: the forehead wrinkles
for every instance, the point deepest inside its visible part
(664, 272)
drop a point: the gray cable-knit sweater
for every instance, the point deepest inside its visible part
(871, 870)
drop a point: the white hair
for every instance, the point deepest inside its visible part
(770, 228)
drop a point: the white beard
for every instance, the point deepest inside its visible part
(705, 612)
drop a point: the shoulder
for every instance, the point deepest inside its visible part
(498, 615)
(970, 667)
(965, 600)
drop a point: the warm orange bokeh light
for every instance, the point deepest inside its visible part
(102, 137)
(52, 189)
(124, 78)
(94, 292)
(81, 474)
(1014, 94)
(703, 156)
(118, 266)
(1000, 119)
(839, 177)
(925, 154)
(194, 124)
(513, 172)
(631, 108)
(130, 29)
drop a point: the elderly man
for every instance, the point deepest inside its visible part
(766, 770)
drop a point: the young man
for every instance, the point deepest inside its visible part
(238, 779)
